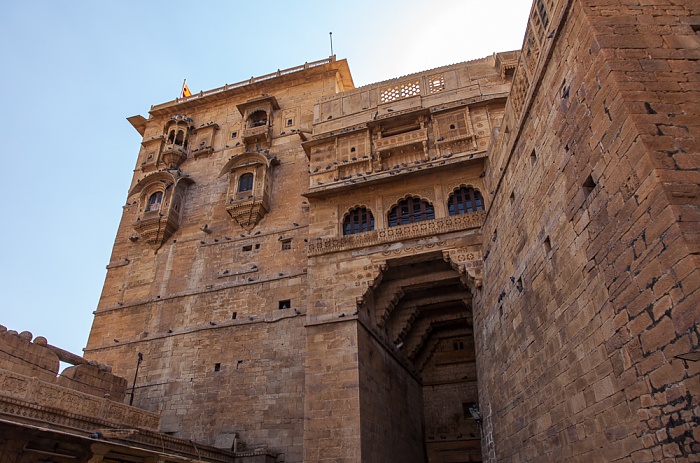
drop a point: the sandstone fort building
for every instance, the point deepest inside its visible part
(495, 260)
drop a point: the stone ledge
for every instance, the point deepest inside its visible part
(398, 233)
(67, 405)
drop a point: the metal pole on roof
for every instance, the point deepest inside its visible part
(331, 34)
(133, 386)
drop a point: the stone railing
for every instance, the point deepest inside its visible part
(106, 429)
(398, 233)
(254, 131)
(250, 81)
(71, 403)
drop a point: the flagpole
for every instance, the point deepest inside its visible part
(182, 92)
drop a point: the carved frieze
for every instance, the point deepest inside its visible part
(402, 232)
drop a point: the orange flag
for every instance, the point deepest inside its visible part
(185, 89)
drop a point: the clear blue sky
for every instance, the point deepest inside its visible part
(72, 72)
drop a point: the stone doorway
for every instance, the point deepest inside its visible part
(422, 309)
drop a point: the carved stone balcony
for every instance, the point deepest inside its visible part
(155, 228)
(399, 233)
(260, 134)
(449, 140)
(248, 212)
(173, 156)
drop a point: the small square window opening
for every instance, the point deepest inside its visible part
(285, 304)
(286, 245)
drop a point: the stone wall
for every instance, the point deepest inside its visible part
(217, 309)
(19, 354)
(591, 287)
(391, 405)
(23, 355)
(241, 376)
(331, 395)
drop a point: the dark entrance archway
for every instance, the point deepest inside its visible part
(422, 312)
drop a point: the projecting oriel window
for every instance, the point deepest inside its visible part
(154, 201)
(245, 182)
(411, 210)
(358, 220)
(464, 201)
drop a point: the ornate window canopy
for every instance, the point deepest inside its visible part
(257, 114)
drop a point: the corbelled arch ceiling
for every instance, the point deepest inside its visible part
(420, 303)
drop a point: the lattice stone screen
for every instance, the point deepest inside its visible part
(399, 91)
(436, 83)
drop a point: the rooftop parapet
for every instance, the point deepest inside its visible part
(341, 66)
(471, 81)
(23, 354)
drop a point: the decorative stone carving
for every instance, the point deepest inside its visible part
(249, 185)
(467, 263)
(177, 134)
(204, 144)
(161, 196)
(398, 233)
(257, 116)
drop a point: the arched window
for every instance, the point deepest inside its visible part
(154, 201)
(245, 182)
(465, 200)
(180, 138)
(411, 210)
(171, 137)
(358, 220)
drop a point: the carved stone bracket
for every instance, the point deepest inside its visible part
(157, 229)
(248, 213)
(468, 263)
